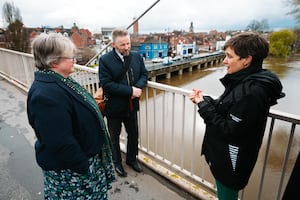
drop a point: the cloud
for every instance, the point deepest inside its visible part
(165, 15)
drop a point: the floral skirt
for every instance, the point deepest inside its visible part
(66, 184)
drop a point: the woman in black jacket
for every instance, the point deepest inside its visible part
(235, 122)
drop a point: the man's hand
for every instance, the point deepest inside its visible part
(136, 92)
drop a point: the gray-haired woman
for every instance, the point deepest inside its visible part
(73, 147)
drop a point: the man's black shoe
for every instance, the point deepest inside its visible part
(120, 170)
(135, 166)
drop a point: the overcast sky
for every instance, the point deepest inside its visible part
(166, 15)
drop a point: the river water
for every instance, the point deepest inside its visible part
(288, 70)
(207, 80)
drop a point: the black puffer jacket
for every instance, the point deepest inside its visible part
(235, 123)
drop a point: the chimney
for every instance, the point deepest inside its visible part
(135, 27)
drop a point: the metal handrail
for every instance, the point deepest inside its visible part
(18, 68)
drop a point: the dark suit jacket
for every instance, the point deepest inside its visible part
(117, 85)
(67, 128)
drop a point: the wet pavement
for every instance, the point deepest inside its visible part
(21, 177)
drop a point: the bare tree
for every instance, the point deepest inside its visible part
(11, 13)
(264, 25)
(16, 35)
(254, 25)
(258, 26)
(295, 9)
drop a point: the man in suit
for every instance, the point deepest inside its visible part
(122, 74)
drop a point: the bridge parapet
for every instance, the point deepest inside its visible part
(169, 143)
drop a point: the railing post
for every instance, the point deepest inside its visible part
(265, 159)
(286, 160)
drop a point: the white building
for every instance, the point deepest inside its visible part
(186, 50)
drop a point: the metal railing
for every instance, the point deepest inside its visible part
(171, 133)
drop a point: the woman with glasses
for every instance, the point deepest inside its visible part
(72, 147)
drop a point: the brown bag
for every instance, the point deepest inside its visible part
(100, 99)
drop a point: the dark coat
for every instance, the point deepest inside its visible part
(235, 124)
(67, 128)
(117, 81)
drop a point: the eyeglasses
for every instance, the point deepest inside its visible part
(73, 58)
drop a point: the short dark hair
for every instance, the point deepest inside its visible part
(249, 44)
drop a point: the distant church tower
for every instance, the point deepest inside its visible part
(135, 27)
(191, 28)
